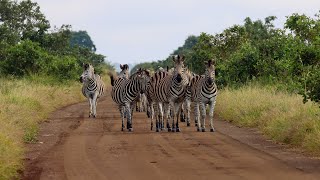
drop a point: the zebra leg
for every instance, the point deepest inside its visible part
(203, 116)
(174, 116)
(197, 116)
(178, 111)
(121, 109)
(94, 105)
(129, 117)
(157, 115)
(168, 110)
(211, 111)
(151, 115)
(188, 104)
(182, 115)
(161, 115)
(90, 104)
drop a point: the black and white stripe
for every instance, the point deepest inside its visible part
(93, 87)
(202, 90)
(170, 92)
(125, 91)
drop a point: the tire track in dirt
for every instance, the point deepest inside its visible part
(76, 147)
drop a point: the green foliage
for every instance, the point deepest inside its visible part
(81, 38)
(256, 50)
(27, 48)
(23, 59)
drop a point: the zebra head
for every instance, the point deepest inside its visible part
(210, 72)
(178, 72)
(142, 77)
(88, 73)
(124, 71)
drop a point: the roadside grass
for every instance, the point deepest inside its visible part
(281, 116)
(24, 103)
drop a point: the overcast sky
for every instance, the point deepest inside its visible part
(132, 31)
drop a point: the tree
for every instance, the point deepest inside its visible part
(81, 38)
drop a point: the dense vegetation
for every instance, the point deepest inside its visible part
(27, 47)
(258, 51)
(39, 69)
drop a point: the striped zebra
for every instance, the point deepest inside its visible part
(202, 91)
(152, 99)
(170, 92)
(125, 91)
(92, 88)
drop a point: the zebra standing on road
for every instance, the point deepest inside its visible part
(92, 88)
(170, 92)
(202, 91)
(125, 91)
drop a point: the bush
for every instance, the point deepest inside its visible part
(23, 59)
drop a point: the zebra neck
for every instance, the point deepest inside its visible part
(91, 83)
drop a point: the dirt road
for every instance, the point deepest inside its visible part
(72, 146)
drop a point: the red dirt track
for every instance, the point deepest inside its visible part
(72, 146)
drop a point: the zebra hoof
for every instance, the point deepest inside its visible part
(178, 130)
(130, 129)
(173, 130)
(212, 130)
(203, 130)
(157, 130)
(188, 124)
(121, 129)
(169, 129)
(198, 129)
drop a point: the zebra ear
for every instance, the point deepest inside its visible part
(173, 58)
(121, 67)
(209, 63)
(182, 58)
(147, 72)
(213, 62)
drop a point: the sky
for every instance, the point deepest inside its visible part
(134, 31)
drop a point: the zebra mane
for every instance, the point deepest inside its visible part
(113, 77)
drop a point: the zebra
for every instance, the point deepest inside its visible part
(170, 92)
(202, 90)
(151, 97)
(125, 91)
(92, 88)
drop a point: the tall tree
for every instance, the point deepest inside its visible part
(82, 38)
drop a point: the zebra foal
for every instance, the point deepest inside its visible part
(92, 88)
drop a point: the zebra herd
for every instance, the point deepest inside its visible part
(165, 95)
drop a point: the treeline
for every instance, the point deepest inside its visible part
(258, 51)
(29, 47)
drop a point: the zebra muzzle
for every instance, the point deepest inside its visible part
(179, 78)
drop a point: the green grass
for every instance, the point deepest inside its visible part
(281, 116)
(23, 104)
